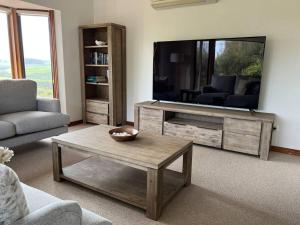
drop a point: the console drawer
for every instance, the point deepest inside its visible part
(151, 120)
(239, 126)
(96, 107)
(96, 118)
(198, 135)
(241, 143)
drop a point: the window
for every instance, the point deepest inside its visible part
(28, 48)
(36, 52)
(5, 63)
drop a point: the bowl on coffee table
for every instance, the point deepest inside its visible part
(123, 134)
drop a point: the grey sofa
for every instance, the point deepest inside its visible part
(24, 118)
(45, 209)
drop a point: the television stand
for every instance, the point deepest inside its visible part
(233, 130)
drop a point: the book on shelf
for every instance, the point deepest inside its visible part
(99, 58)
(96, 79)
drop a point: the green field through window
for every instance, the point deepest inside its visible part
(36, 46)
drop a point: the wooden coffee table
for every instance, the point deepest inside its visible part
(134, 172)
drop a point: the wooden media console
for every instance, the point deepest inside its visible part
(234, 130)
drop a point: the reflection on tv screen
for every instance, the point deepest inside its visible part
(221, 72)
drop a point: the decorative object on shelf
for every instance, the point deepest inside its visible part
(100, 43)
(123, 133)
(5, 154)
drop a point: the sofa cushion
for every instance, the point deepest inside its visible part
(37, 199)
(35, 121)
(240, 86)
(243, 84)
(17, 96)
(7, 130)
(13, 203)
(253, 88)
(224, 83)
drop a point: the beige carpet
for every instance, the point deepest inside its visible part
(227, 188)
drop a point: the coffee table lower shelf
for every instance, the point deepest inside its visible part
(119, 181)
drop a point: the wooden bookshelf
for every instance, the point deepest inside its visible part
(103, 102)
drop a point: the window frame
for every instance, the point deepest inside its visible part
(16, 45)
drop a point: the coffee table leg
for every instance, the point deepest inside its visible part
(56, 158)
(187, 166)
(154, 193)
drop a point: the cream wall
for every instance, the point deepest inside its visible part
(278, 20)
(71, 14)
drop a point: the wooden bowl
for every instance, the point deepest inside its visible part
(131, 131)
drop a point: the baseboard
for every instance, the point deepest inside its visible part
(288, 151)
(74, 123)
(130, 123)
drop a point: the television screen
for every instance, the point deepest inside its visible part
(220, 72)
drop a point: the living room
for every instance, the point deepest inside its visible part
(243, 167)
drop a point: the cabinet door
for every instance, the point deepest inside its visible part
(242, 126)
(241, 143)
(151, 120)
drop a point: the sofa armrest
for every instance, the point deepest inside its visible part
(48, 104)
(59, 213)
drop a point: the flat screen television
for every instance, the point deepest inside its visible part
(220, 72)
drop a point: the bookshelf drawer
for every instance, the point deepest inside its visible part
(96, 118)
(96, 107)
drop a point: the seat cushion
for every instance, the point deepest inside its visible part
(37, 199)
(35, 121)
(7, 130)
(17, 96)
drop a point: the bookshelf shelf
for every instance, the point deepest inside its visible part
(98, 84)
(100, 100)
(96, 65)
(95, 46)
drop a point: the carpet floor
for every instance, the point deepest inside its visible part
(227, 188)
